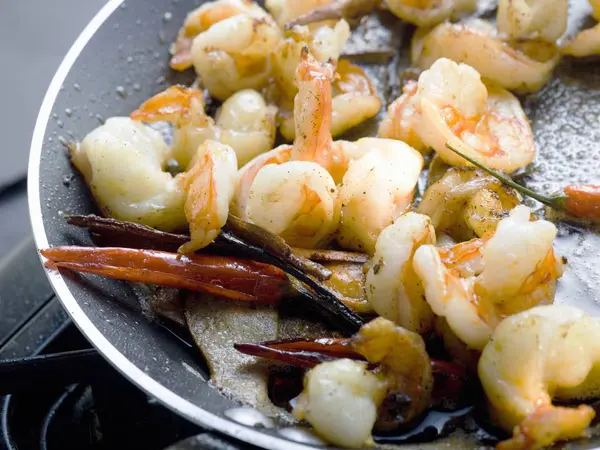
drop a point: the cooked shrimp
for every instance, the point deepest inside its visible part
(245, 122)
(393, 289)
(354, 100)
(427, 13)
(476, 284)
(404, 364)
(485, 122)
(201, 19)
(401, 118)
(522, 67)
(324, 44)
(585, 43)
(123, 163)
(296, 200)
(340, 400)
(247, 174)
(399, 392)
(312, 115)
(545, 20)
(465, 203)
(544, 353)
(209, 186)
(227, 65)
(377, 188)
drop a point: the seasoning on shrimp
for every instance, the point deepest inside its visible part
(477, 283)
(521, 67)
(244, 122)
(545, 353)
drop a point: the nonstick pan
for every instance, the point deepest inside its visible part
(121, 59)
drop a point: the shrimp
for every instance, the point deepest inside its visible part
(485, 122)
(340, 400)
(545, 20)
(201, 19)
(245, 122)
(209, 187)
(393, 289)
(465, 203)
(544, 353)
(404, 373)
(247, 174)
(296, 200)
(427, 13)
(401, 119)
(354, 100)
(123, 163)
(523, 67)
(227, 65)
(324, 43)
(312, 115)
(585, 43)
(477, 283)
(377, 188)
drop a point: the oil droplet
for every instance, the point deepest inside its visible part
(68, 112)
(129, 59)
(67, 179)
(99, 118)
(63, 141)
(59, 123)
(76, 86)
(137, 87)
(54, 116)
(160, 80)
(167, 16)
(121, 91)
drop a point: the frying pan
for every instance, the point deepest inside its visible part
(121, 59)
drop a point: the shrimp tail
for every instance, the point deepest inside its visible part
(548, 424)
(178, 105)
(234, 279)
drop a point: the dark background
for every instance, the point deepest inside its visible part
(35, 35)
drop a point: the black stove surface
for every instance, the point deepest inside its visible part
(57, 393)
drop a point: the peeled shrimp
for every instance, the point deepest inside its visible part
(523, 67)
(477, 283)
(354, 100)
(393, 289)
(201, 19)
(485, 122)
(209, 187)
(465, 203)
(245, 122)
(333, 389)
(377, 188)
(312, 115)
(123, 163)
(543, 19)
(427, 13)
(540, 354)
(226, 65)
(585, 43)
(296, 200)
(247, 174)
(401, 119)
(340, 400)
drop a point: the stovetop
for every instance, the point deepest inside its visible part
(57, 393)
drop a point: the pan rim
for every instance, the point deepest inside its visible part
(137, 376)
